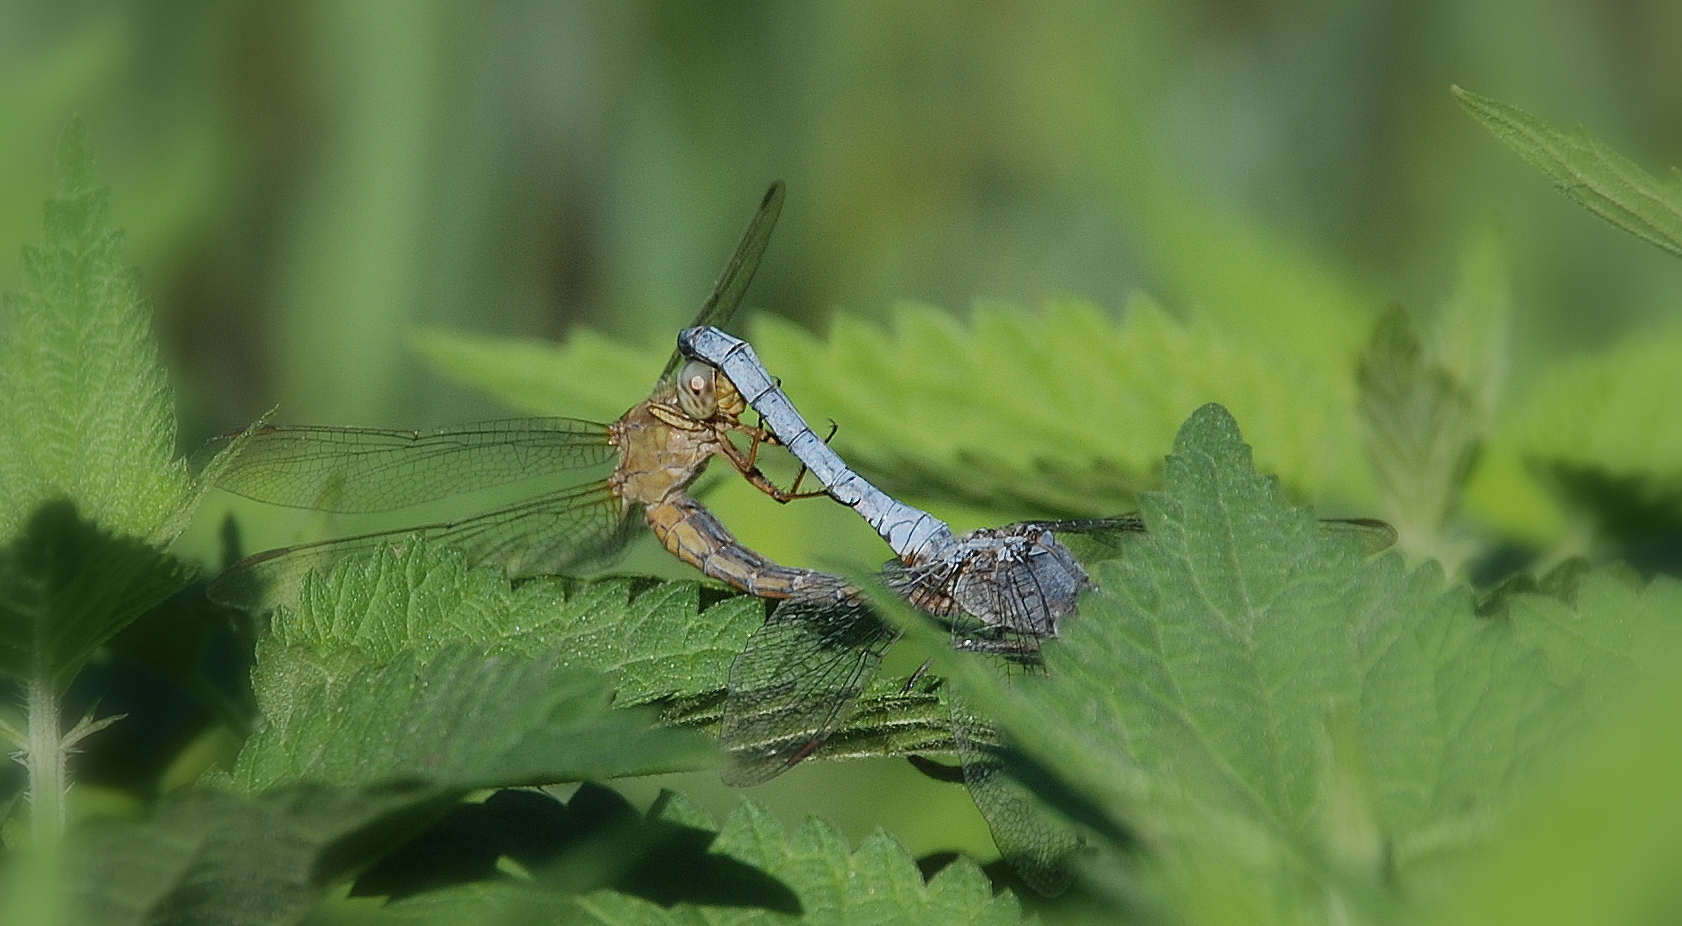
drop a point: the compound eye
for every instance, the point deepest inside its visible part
(697, 393)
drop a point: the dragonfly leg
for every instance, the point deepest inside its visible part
(916, 677)
(833, 427)
(744, 462)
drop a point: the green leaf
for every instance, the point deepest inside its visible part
(1599, 840)
(589, 377)
(1429, 400)
(1585, 169)
(594, 840)
(86, 412)
(877, 883)
(653, 638)
(458, 720)
(1248, 688)
(409, 643)
(1471, 337)
(67, 586)
(1607, 632)
(408, 665)
(1053, 411)
(1422, 428)
(205, 856)
(1603, 440)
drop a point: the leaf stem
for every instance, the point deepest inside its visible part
(46, 763)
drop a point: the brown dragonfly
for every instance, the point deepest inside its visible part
(655, 452)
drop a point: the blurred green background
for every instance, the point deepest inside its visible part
(304, 183)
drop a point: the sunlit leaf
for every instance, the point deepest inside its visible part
(1247, 688)
(1587, 170)
(587, 377)
(405, 667)
(1057, 411)
(1422, 427)
(410, 643)
(86, 412)
(654, 638)
(461, 720)
(1605, 632)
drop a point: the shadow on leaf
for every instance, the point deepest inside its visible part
(593, 841)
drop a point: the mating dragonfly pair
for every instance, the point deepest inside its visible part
(1002, 590)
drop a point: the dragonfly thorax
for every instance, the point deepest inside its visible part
(1017, 578)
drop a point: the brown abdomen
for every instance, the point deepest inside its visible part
(694, 535)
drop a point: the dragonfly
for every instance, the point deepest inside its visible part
(1016, 579)
(1001, 590)
(656, 451)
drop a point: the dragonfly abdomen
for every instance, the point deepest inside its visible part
(694, 535)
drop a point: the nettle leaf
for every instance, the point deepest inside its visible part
(1603, 437)
(1051, 410)
(654, 638)
(1600, 840)
(588, 377)
(821, 880)
(1247, 686)
(1607, 633)
(1587, 170)
(408, 665)
(86, 411)
(1428, 398)
(205, 856)
(67, 586)
(408, 642)
(1422, 429)
(461, 719)
(593, 840)
(1471, 336)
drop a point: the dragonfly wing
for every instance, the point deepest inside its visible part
(550, 533)
(1093, 539)
(798, 678)
(733, 283)
(1369, 534)
(1036, 844)
(372, 469)
(1123, 524)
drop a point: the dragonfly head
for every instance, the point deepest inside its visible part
(703, 392)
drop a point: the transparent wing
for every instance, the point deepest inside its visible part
(1036, 844)
(799, 678)
(733, 283)
(556, 532)
(370, 469)
(1093, 539)
(1097, 538)
(1369, 534)
(1124, 524)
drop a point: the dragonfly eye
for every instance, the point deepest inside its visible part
(697, 394)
